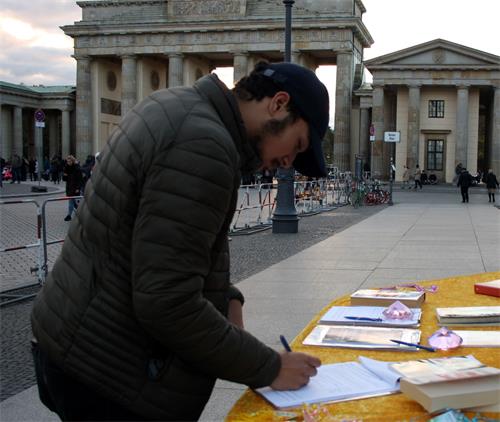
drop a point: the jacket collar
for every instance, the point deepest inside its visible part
(225, 104)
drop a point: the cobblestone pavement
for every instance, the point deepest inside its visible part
(250, 254)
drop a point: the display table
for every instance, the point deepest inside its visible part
(454, 291)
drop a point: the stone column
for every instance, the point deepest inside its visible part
(65, 134)
(343, 99)
(462, 127)
(296, 58)
(53, 135)
(240, 65)
(17, 129)
(83, 108)
(129, 83)
(494, 147)
(378, 124)
(413, 127)
(364, 134)
(175, 70)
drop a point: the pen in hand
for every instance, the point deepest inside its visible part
(285, 343)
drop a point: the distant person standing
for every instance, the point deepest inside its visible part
(2, 165)
(491, 185)
(17, 164)
(72, 175)
(417, 177)
(406, 178)
(464, 182)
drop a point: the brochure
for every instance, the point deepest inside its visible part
(362, 337)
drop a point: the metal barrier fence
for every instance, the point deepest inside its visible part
(45, 267)
(257, 202)
(19, 293)
(11, 295)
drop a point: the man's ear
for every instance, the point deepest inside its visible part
(278, 106)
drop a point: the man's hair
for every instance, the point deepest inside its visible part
(257, 86)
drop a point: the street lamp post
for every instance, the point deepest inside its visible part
(285, 218)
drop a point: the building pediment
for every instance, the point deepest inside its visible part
(435, 54)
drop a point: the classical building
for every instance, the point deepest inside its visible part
(18, 104)
(444, 101)
(125, 49)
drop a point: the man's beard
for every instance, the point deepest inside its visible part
(272, 127)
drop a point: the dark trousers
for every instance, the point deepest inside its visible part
(465, 194)
(418, 183)
(16, 174)
(72, 400)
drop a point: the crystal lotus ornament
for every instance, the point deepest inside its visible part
(445, 339)
(398, 310)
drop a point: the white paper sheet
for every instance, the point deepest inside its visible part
(336, 382)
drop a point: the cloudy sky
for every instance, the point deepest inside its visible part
(33, 49)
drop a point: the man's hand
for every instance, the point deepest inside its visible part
(235, 313)
(296, 369)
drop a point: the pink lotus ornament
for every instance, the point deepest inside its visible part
(445, 339)
(398, 310)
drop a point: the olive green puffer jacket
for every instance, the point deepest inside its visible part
(135, 305)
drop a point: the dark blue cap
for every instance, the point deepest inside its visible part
(310, 98)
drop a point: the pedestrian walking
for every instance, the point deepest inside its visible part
(406, 178)
(55, 170)
(464, 182)
(138, 317)
(72, 175)
(31, 169)
(16, 165)
(417, 176)
(491, 185)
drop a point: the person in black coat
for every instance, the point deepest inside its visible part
(72, 175)
(491, 185)
(465, 182)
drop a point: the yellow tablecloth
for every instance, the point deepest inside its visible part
(454, 291)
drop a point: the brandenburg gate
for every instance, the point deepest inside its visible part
(126, 49)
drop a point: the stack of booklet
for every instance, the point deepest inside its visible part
(385, 297)
(454, 382)
(469, 315)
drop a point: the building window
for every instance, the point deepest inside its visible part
(435, 152)
(436, 108)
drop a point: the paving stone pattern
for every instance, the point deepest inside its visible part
(18, 227)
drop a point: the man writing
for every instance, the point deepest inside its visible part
(138, 318)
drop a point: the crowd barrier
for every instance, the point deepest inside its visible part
(257, 202)
(18, 293)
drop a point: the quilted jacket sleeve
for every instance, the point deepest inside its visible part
(185, 198)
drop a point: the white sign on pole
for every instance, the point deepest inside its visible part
(392, 137)
(39, 124)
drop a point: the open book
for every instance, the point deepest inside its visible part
(362, 337)
(367, 316)
(339, 382)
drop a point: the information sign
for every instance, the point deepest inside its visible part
(392, 137)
